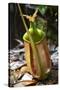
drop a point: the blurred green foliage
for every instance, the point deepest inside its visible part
(42, 9)
(49, 22)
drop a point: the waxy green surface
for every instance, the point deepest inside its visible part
(36, 35)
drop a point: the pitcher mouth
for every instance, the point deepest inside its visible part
(35, 42)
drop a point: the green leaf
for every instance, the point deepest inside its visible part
(42, 9)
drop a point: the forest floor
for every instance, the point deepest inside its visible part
(17, 60)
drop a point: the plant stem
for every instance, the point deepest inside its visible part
(34, 49)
